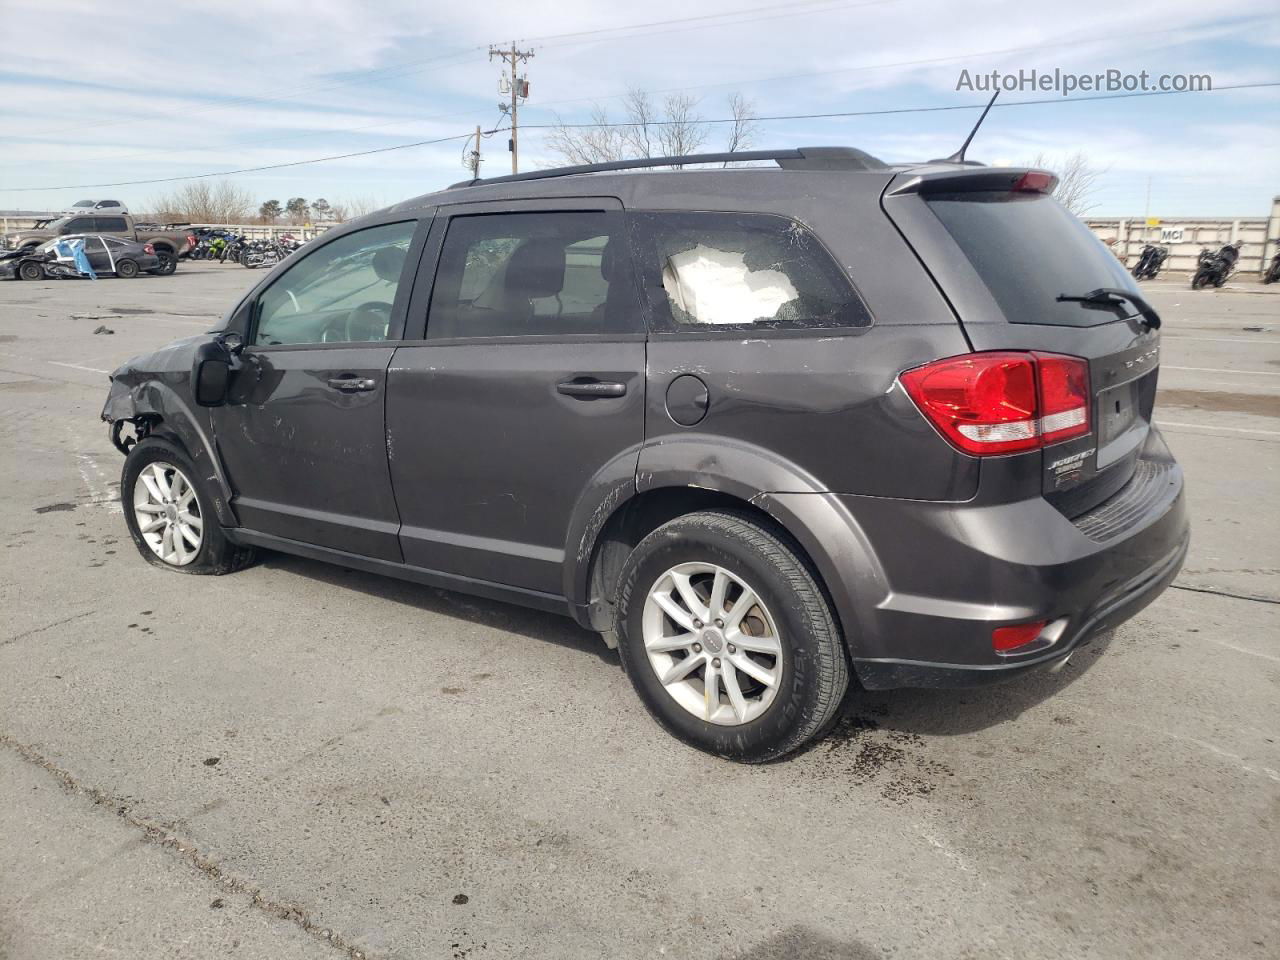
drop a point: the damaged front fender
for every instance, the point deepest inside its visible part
(152, 395)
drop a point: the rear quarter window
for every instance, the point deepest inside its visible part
(740, 271)
(1028, 249)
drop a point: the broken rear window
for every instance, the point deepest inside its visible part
(740, 271)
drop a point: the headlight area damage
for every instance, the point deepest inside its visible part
(151, 396)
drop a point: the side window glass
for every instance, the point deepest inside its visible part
(532, 274)
(93, 244)
(111, 224)
(741, 272)
(78, 225)
(339, 293)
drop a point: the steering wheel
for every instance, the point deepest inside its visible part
(369, 321)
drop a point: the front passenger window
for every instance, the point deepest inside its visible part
(341, 292)
(532, 274)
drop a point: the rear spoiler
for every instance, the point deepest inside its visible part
(950, 179)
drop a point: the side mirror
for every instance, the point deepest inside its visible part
(211, 373)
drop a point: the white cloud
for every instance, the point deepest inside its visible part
(87, 96)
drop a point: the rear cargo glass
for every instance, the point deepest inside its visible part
(1028, 249)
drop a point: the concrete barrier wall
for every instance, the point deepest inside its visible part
(1187, 236)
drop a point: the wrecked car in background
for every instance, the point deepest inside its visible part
(36, 263)
(81, 256)
(761, 428)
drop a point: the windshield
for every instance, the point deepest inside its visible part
(1028, 249)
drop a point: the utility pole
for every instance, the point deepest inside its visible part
(473, 157)
(519, 90)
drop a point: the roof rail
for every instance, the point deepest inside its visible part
(799, 158)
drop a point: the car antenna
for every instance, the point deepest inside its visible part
(958, 156)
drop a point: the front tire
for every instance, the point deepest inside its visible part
(1199, 280)
(30, 270)
(170, 516)
(728, 638)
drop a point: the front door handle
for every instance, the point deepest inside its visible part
(591, 388)
(352, 384)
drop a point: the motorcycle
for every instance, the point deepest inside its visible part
(267, 253)
(1215, 268)
(1150, 262)
(1273, 272)
(263, 253)
(234, 248)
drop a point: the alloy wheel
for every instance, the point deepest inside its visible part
(712, 643)
(168, 513)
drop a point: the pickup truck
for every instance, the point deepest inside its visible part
(169, 243)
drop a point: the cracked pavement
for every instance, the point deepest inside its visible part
(302, 761)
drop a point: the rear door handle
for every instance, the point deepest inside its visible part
(591, 388)
(352, 384)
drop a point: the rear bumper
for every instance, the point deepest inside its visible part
(952, 573)
(1109, 612)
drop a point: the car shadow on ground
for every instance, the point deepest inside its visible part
(534, 624)
(930, 713)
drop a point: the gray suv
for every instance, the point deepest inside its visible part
(764, 429)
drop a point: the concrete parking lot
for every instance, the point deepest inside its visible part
(301, 761)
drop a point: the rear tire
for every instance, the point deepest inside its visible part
(168, 263)
(158, 475)
(1199, 280)
(127, 269)
(30, 270)
(776, 678)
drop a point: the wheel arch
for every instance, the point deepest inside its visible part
(163, 413)
(719, 476)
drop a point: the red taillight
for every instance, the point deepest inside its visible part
(1005, 639)
(1035, 181)
(1064, 397)
(1003, 402)
(148, 248)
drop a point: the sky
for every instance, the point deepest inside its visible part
(88, 96)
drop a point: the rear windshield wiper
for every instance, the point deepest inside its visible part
(1114, 297)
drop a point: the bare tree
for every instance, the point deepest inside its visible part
(204, 202)
(1077, 180)
(683, 131)
(743, 132)
(598, 142)
(341, 211)
(648, 129)
(640, 110)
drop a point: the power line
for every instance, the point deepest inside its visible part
(778, 117)
(827, 7)
(862, 67)
(788, 10)
(897, 110)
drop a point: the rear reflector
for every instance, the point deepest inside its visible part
(1005, 639)
(1003, 401)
